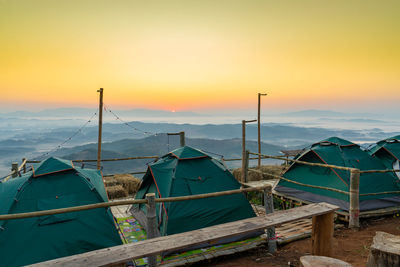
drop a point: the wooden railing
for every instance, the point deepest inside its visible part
(15, 170)
(354, 187)
(151, 212)
(321, 241)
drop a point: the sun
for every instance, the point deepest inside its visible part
(173, 111)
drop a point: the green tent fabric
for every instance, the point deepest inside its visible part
(339, 152)
(54, 184)
(388, 151)
(188, 171)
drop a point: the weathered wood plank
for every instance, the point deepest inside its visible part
(123, 253)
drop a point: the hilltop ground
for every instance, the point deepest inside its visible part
(349, 245)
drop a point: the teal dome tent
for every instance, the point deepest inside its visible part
(336, 151)
(188, 171)
(388, 152)
(54, 184)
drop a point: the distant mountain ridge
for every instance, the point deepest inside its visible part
(158, 146)
(72, 112)
(85, 112)
(324, 113)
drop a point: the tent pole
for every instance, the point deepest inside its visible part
(100, 128)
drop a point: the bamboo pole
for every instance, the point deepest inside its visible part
(24, 164)
(269, 208)
(126, 202)
(215, 194)
(100, 128)
(307, 185)
(151, 224)
(259, 127)
(379, 171)
(354, 210)
(103, 160)
(237, 159)
(306, 163)
(380, 193)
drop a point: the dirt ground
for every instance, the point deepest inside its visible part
(349, 245)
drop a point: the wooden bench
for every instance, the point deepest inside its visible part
(322, 237)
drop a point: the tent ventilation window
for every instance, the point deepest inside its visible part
(396, 166)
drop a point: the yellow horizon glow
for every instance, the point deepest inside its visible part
(180, 55)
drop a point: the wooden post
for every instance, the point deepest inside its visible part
(100, 128)
(151, 224)
(354, 211)
(244, 147)
(14, 169)
(269, 208)
(259, 128)
(246, 167)
(182, 138)
(322, 234)
(24, 168)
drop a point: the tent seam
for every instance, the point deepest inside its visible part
(331, 169)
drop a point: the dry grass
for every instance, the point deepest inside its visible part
(253, 176)
(121, 185)
(110, 181)
(129, 182)
(116, 191)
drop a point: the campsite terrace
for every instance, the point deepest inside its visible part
(350, 207)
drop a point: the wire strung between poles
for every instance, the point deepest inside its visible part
(107, 109)
(68, 139)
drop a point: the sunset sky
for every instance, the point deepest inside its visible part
(200, 55)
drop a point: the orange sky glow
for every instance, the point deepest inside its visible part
(197, 55)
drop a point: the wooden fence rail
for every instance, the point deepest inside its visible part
(304, 162)
(302, 184)
(103, 160)
(127, 202)
(354, 194)
(321, 164)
